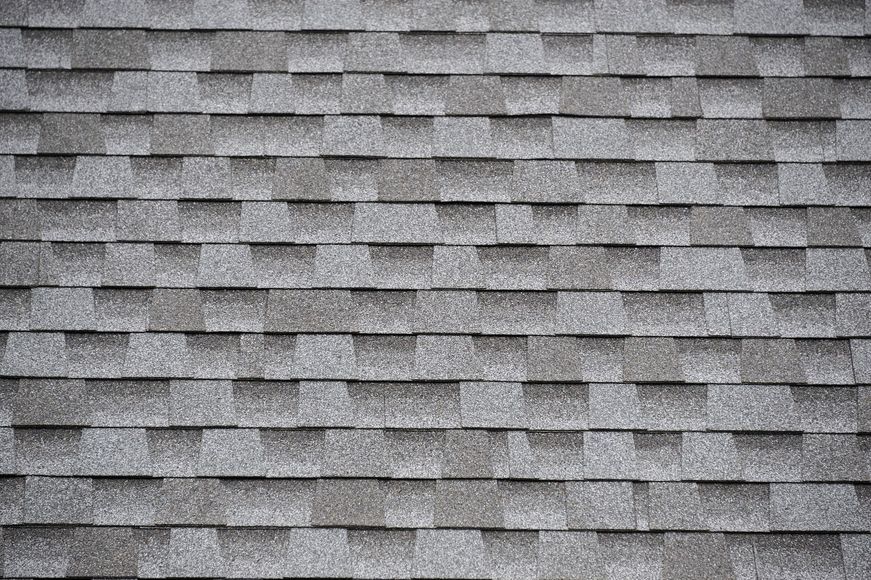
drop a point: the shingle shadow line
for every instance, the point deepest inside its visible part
(68, 154)
(309, 428)
(578, 381)
(412, 244)
(182, 156)
(383, 115)
(406, 289)
(437, 32)
(391, 115)
(444, 289)
(435, 202)
(654, 75)
(605, 531)
(478, 334)
(420, 479)
(402, 74)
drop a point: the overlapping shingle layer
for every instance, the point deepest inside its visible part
(435, 289)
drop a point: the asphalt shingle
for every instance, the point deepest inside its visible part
(434, 289)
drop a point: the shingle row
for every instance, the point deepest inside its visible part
(425, 455)
(435, 357)
(192, 92)
(844, 18)
(362, 553)
(431, 223)
(442, 137)
(489, 504)
(424, 267)
(439, 53)
(439, 405)
(501, 181)
(524, 313)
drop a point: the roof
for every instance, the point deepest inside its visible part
(435, 289)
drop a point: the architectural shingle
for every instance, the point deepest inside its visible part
(524, 289)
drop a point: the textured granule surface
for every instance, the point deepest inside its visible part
(454, 289)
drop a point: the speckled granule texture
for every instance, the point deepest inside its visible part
(519, 289)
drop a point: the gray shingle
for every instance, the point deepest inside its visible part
(354, 502)
(176, 309)
(114, 451)
(445, 54)
(658, 456)
(659, 225)
(775, 269)
(531, 95)
(254, 551)
(41, 354)
(468, 503)
(66, 133)
(148, 220)
(751, 408)
(47, 48)
(855, 551)
(616, 182)
(687, 555)
(191, 502)
(462, 137)
(709, 360)
(568, 554)
(383, 223)
(511, 554)
(37, 551)
(385, 357)
(828, 457)
(596, 96)
(628, 555)
(125, 501)
(591, 138)
(97, 355)
(672, 406)
(799, 556)
(79, 264)
(102, 551)
(605, 505)
(675, 506)
(725, 140)
(268, 503)
(651, 359)
(324, 355)
(449, 553)
(491, 405)
(837, 269)
(382, 553)
(124, 49)
(768, 457)
(574, 54)
(181, 135)
(239, 311)
(731, 98)
(50, 500)
(231, 50)
(609, 455)
(472, 95)
(474, 180)
(533, 505)
(115, 403)
(590, 313)
(358, 136)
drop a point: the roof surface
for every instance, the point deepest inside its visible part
(435, 289)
